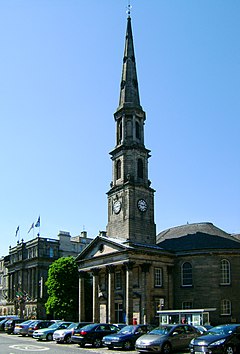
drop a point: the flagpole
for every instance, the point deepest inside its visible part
(38, 223)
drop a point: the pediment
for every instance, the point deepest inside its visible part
(102, 246)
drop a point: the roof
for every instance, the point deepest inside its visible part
(197, 236)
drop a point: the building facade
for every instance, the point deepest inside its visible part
(24, 271)
(136, 275)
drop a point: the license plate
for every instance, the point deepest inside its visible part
(107, 342)
(199, 353)
(141, 346)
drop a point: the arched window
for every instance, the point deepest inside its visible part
(119, 132)
(225, 307)
(137, 127)
(118, 169)
(140, 168)
(225, 272)
(186, 274)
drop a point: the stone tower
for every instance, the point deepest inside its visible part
(130, 198)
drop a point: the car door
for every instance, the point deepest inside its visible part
(179, 338)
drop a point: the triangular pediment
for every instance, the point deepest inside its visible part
(102, 246)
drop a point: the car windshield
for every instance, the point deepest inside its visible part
(72, 325)
(127, 330)
(54, 326)
(88, 327)
(218, 330)
(161, 330)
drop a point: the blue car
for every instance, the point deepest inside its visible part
(126, 337)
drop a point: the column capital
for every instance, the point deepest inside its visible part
(111, 268)
(82, 274)
(95, 271)
(129, 265)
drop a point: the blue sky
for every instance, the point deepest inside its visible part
(60, 70)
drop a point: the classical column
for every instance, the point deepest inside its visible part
(129, 292)
(145, 296)
(111, 310)
(96, 310)
(33, 283)
(81, 310)
(29, 282)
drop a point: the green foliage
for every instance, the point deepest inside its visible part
(62, 288)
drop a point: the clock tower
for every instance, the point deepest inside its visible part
(130, 198)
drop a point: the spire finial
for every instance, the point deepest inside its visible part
(129, 7)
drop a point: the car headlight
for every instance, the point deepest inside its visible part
(218, 342)
(192, 341)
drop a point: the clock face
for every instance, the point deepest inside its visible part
(117, 206)
(142, 205)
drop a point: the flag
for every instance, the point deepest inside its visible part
(17, 231)
(31, 227)
(38, 222)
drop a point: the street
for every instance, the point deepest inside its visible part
(13, 344)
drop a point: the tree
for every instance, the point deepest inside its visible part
(62, 288)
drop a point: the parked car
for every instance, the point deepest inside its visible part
(219, 339)
(39, 324)
(167, 338)
(64, 335)
(93, 334)
(22, 328)
(47, 333)
(126, 337)
(2, 323)
(10, 325)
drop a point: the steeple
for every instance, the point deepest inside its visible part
(129, 94)
(130, 198)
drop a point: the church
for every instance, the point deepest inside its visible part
(188, 273)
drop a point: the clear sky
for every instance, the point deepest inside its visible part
(60, 70)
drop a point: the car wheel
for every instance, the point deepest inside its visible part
(97, 343)
(49, 336)
(127, 345)
(68, 339)
(166, 348)
(229, 350)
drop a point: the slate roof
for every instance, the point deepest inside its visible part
(198, 236)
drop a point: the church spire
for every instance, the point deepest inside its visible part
(129, 93)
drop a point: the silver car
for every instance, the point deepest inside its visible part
(167, 338)
(64, 335)
(22, 328)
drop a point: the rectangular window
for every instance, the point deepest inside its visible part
(118, 280)
(225, 307)
(157, 277)
(225, 272)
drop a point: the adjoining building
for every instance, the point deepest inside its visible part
(136, 274)
(24, 271)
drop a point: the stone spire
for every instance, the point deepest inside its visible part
(129, 94)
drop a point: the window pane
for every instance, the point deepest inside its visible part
(225, 307)
(225, 272)
(158, 276)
